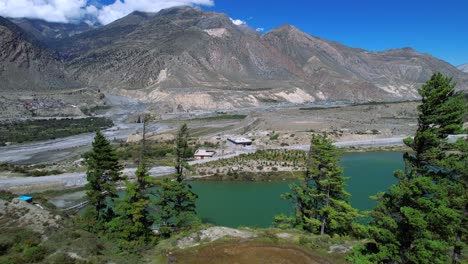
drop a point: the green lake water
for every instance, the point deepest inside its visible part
(254, 204)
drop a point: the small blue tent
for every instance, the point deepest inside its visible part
(26, 198)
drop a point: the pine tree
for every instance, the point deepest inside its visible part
(103, 172)
(176, 206)
(134, 221)
(454, 178)
(183, 151)
(176, 201)
(441, 113)
(321, 202)
(407, 222)
(424, 215)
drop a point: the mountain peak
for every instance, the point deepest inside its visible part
(404, 50)
(140, 14)
(176, 10)
(286, 28)
(408, 49)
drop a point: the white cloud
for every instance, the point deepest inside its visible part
(72, 10)
(260, 29)
(238, 22)
(120, 9)
(50, 10)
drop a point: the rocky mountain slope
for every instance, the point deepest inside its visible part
(397, 72)
(178, 48)
(463, 67)
(25, 65)
(186, 58)
(185, 51)
(49, 32)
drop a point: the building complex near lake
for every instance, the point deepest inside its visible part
(240, 141)
(202, 154)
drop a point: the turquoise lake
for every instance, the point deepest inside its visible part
(254, 204)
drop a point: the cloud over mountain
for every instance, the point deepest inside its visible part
(67, 11)
(238, 22)
(51, 10)
(120, 9)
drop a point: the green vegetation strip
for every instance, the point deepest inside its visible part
(29, 170)
(221, 117)
(35, 130)
(270, 157)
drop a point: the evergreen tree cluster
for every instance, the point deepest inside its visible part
(146, 204)
(423, 216)
(420, 219)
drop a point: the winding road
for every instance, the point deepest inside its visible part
(79, 179)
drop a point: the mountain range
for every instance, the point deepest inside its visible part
(27, 65)
(187, 58)
(463, 67)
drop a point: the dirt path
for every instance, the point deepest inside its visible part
(58, 149)
(248, 253)
(368, 143)
(67, 180)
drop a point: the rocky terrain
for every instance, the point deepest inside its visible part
(184, 58)
(50, 32)
(463, 67)
(34, 82)
(49, 104)
(201, 60)
(22, 214)
(245, 245)
(26, 65)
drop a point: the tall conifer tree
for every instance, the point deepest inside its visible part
(176, 201)
(135, 222)
(321, 202)
(103, 173)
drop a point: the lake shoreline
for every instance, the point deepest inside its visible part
(245, 177)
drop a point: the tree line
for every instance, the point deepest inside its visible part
(420, 219)
(147, 204)
(35, 130)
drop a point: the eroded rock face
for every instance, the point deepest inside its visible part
(25, 65)
(185, 56)
(340, 249)
(211, 234)
(185, 59)
(23, 214)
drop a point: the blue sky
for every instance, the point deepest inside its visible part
(436, 27)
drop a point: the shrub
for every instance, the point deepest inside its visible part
(7, 196)
(34, 254)
(274, 136)
(271, 235)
